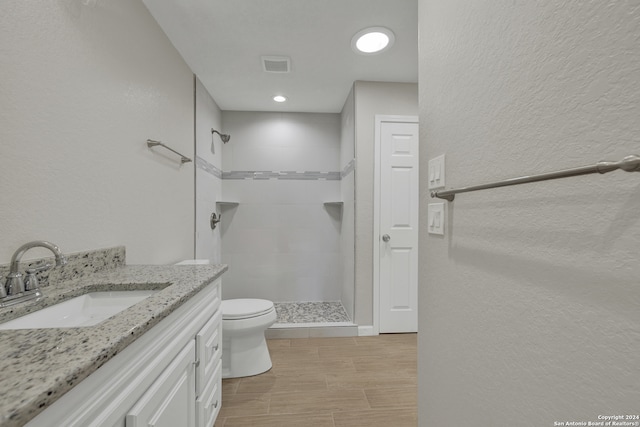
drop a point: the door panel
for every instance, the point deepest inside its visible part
(401, 183)
(399, 221)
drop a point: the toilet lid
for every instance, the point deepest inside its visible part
(244, 308)
(194, 262)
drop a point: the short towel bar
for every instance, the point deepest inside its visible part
(629, 164)
(152, 143)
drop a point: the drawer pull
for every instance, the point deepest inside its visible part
(215, 348)
(197, 363)
(215, 405)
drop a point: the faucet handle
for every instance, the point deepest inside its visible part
(31, 281)
(15, 284)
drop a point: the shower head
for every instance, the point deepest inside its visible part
(224, 137)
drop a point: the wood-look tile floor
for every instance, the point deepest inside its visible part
(328, 382)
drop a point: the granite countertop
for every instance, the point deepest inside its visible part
(38, 366)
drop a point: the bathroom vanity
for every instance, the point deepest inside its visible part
(157, 362)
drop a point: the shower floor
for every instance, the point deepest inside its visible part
(310, 312)
(311, 320)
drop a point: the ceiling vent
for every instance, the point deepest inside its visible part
(276, 64)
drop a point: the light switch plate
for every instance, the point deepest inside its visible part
(436, 172)
(436, 218)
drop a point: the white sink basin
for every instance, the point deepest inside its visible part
(85, 310)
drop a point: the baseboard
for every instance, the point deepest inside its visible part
(366, 331)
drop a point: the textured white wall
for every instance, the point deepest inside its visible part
(529, 305)
(208, 184)
(82, 89)
(281, 242)
(372, 98)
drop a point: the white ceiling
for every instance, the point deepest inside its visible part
(223, 40)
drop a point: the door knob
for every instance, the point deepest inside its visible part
(386, 237)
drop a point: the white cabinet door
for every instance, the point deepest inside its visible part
(208, 350)
(170, 401)
(209, 402)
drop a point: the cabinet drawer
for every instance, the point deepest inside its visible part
(209, 402)
(169, 400)
(208, 350)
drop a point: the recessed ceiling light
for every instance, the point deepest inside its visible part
(279, 98)
(372, 40)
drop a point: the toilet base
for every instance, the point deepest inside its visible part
(244, 347)
(244, 356)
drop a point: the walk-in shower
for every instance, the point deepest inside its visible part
(285, 221)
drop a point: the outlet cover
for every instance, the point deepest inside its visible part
(436, 172)
(436, 218)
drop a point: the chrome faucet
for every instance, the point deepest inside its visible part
(14, 290)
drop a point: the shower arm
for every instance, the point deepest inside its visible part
(224, 137)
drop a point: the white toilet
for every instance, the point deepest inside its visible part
(244, 322)
(244, 349)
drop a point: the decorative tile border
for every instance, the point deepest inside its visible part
(208, 167)
(351, 166)
(284, 175)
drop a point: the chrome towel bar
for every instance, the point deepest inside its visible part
(629, 164)
(152, 143)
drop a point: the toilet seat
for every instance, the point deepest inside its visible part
(245, 308)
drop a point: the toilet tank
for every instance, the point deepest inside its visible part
(194, 262)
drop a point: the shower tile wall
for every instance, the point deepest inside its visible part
(281, 242)
(208, 161)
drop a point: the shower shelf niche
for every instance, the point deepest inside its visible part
(334, 209)
(227, 204)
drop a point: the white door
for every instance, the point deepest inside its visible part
(398, 227)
